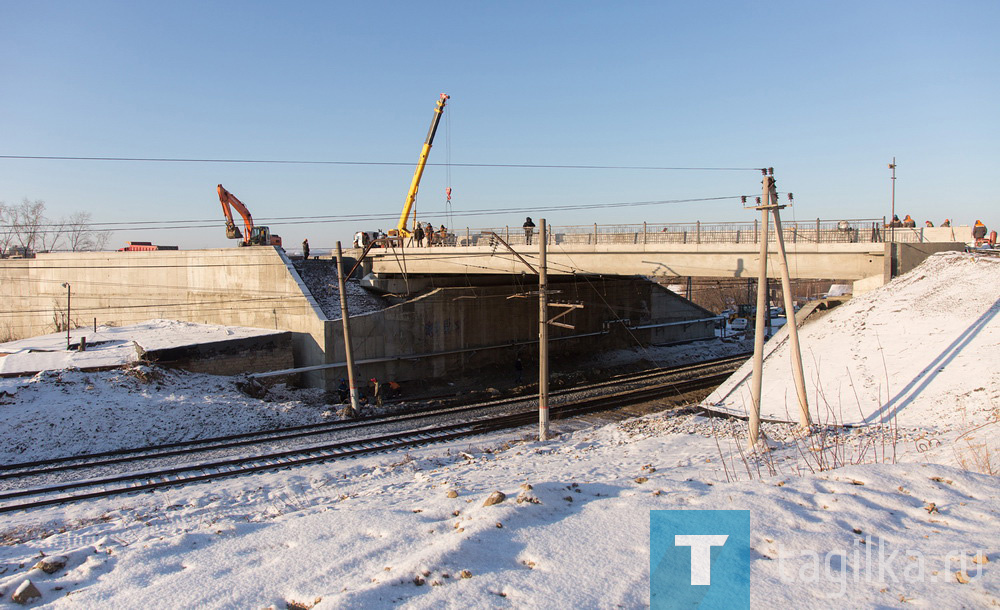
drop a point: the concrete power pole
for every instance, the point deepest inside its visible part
(758, 341)
(769, 203)
(543, 337)
(786, 291)
(349, 356)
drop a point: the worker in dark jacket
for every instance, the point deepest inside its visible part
(529, 230)
(946, 223)
(979, 230)
(418, 235)
(928, 223)
(895, 221)
(305, 249)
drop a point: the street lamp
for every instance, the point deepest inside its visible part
(892, 223)
(68, 295)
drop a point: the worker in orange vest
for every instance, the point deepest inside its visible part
(909, 222)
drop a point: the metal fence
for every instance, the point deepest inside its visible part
(866, 230)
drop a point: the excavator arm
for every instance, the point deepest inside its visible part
(232, 231)
(401, 229)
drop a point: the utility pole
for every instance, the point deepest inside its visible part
(543, 337)
(349, 356)
(892, 223)
(543, 324)
(68, 311)
(769, 204)
(758, 340)
(786, 291)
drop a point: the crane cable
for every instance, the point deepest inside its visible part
(447, 164)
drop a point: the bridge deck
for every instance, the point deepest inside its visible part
(818, 249)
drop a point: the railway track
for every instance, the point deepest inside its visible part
(684, 379)
(192, 447)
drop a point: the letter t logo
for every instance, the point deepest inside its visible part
(701, 555)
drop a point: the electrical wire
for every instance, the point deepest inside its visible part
(154, 225)
(371, 163)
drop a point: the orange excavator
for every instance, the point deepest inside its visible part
(255, 235)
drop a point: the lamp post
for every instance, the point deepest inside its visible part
(892, 223)
(68, 295)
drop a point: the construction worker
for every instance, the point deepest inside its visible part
(928, 223)
(418, 235)
(909, 222)
(946, 223)
(979, 230)
(305, 249)
(895, 221)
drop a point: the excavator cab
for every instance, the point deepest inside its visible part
(261, 236)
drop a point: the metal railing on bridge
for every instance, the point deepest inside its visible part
(866, 230)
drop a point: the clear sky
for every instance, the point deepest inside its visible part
(827, 93)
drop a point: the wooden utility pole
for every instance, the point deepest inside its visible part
(349, 356)
(769, 204)
(543, 337)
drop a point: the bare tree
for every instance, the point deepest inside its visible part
(26, 226)
(81, 236)
(29, 218)
(6, 226)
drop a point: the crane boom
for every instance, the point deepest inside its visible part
(411, 196)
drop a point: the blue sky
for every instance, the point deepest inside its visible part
(825, 92)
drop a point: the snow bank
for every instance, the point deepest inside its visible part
(920, 351)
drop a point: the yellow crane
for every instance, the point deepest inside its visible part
(411, 196)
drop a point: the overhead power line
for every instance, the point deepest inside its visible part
(154, 225)
(374, 163)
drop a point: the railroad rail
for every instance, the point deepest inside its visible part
(33, 497)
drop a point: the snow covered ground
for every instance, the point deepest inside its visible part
(883, 516)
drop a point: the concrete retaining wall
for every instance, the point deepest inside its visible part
(256, 287)
(232, 357)
(905, 257)
(457, 331)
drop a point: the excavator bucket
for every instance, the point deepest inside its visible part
(233, 232)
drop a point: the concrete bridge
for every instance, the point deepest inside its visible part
(855, 250)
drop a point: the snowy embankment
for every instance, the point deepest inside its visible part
(920, 352)
(856, 518)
